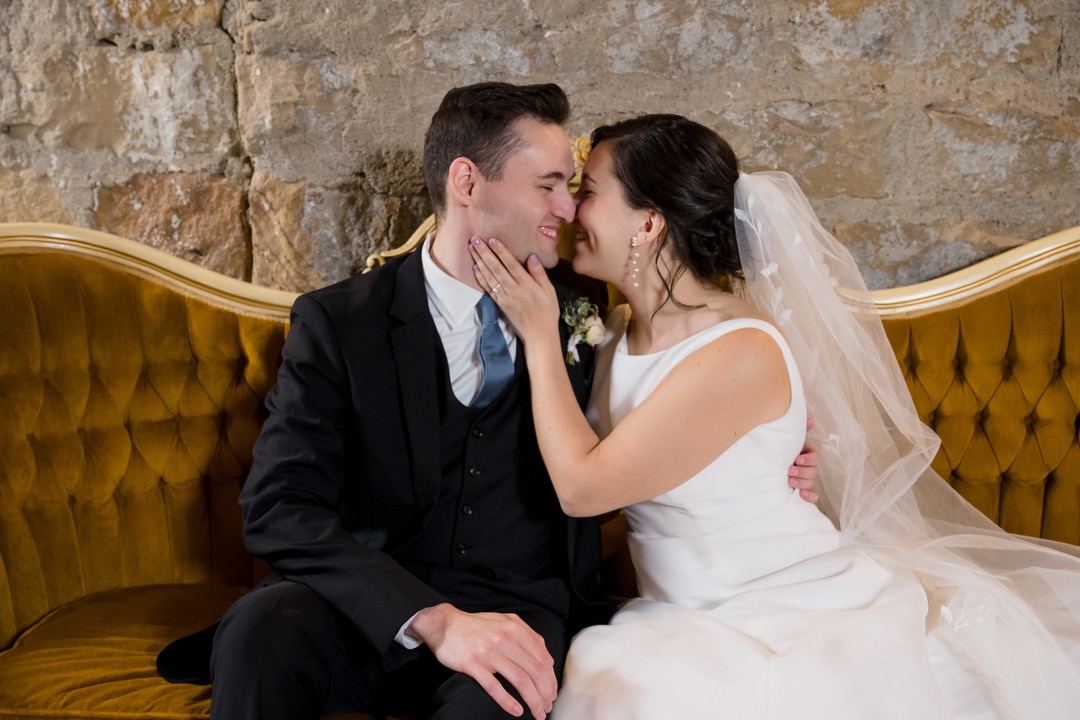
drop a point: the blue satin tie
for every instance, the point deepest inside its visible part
(495, 360)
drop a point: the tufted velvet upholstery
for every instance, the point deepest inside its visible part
(996, 373)
(131, 388)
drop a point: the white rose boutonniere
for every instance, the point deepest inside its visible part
(583, 317)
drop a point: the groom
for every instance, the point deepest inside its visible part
(422, 563)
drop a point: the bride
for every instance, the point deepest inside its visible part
(895, 599)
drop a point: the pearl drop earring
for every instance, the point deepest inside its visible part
(633, 261)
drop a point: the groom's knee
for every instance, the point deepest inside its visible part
(462, 698)
(282, 624)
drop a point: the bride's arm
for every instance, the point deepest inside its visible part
(710, 400)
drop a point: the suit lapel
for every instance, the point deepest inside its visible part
(413, 345)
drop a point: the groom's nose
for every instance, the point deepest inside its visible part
(565, 206)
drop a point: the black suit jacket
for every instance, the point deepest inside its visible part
(347, 466)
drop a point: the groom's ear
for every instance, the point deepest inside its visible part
(461, 181)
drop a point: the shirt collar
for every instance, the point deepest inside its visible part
(452, 299)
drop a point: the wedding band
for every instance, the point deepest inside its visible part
(496, 289)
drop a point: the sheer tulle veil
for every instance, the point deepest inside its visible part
(1009, 606)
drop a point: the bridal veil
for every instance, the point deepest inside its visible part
(1007, 607)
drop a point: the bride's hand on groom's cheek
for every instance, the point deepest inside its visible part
(523, 293)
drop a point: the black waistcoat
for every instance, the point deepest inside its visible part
(497, 519)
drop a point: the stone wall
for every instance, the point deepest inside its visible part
(279, 140)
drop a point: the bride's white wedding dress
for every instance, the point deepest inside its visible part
(751, 607)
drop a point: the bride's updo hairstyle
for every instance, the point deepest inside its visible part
(687, 173)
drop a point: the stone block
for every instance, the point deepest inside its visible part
(295, 114)
(164, 107)
(196, 217)
(305, 236)
(834, 148)
(672, 38)
(153, 23)
(1005, 151)
(895, 253)
(972, 34)
(25, 198)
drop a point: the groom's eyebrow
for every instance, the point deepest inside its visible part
(553, 175)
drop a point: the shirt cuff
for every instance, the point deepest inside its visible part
(406, 641)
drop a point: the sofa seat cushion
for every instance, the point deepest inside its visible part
(95, 657)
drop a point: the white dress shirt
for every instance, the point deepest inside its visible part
(452, 304)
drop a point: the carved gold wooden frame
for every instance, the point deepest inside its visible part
(985, 276)
(185, 277)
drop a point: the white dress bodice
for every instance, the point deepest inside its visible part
(688, 542)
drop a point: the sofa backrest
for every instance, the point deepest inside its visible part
(132, 387)
(131, 392)
(991, 355)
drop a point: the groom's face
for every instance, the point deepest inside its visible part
(525, 207)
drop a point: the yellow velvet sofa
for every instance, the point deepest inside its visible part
(131, 389)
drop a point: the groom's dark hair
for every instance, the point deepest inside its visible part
(477, 122)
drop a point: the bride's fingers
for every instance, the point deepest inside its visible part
(491, 269)
(484, 255)
(502, 262)
(484, 275)
(504, 293)
(511, 264)
(526, 275)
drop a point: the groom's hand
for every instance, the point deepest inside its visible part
(482, 645)
(803, 473)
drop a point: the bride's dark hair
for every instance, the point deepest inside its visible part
(687, 173)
